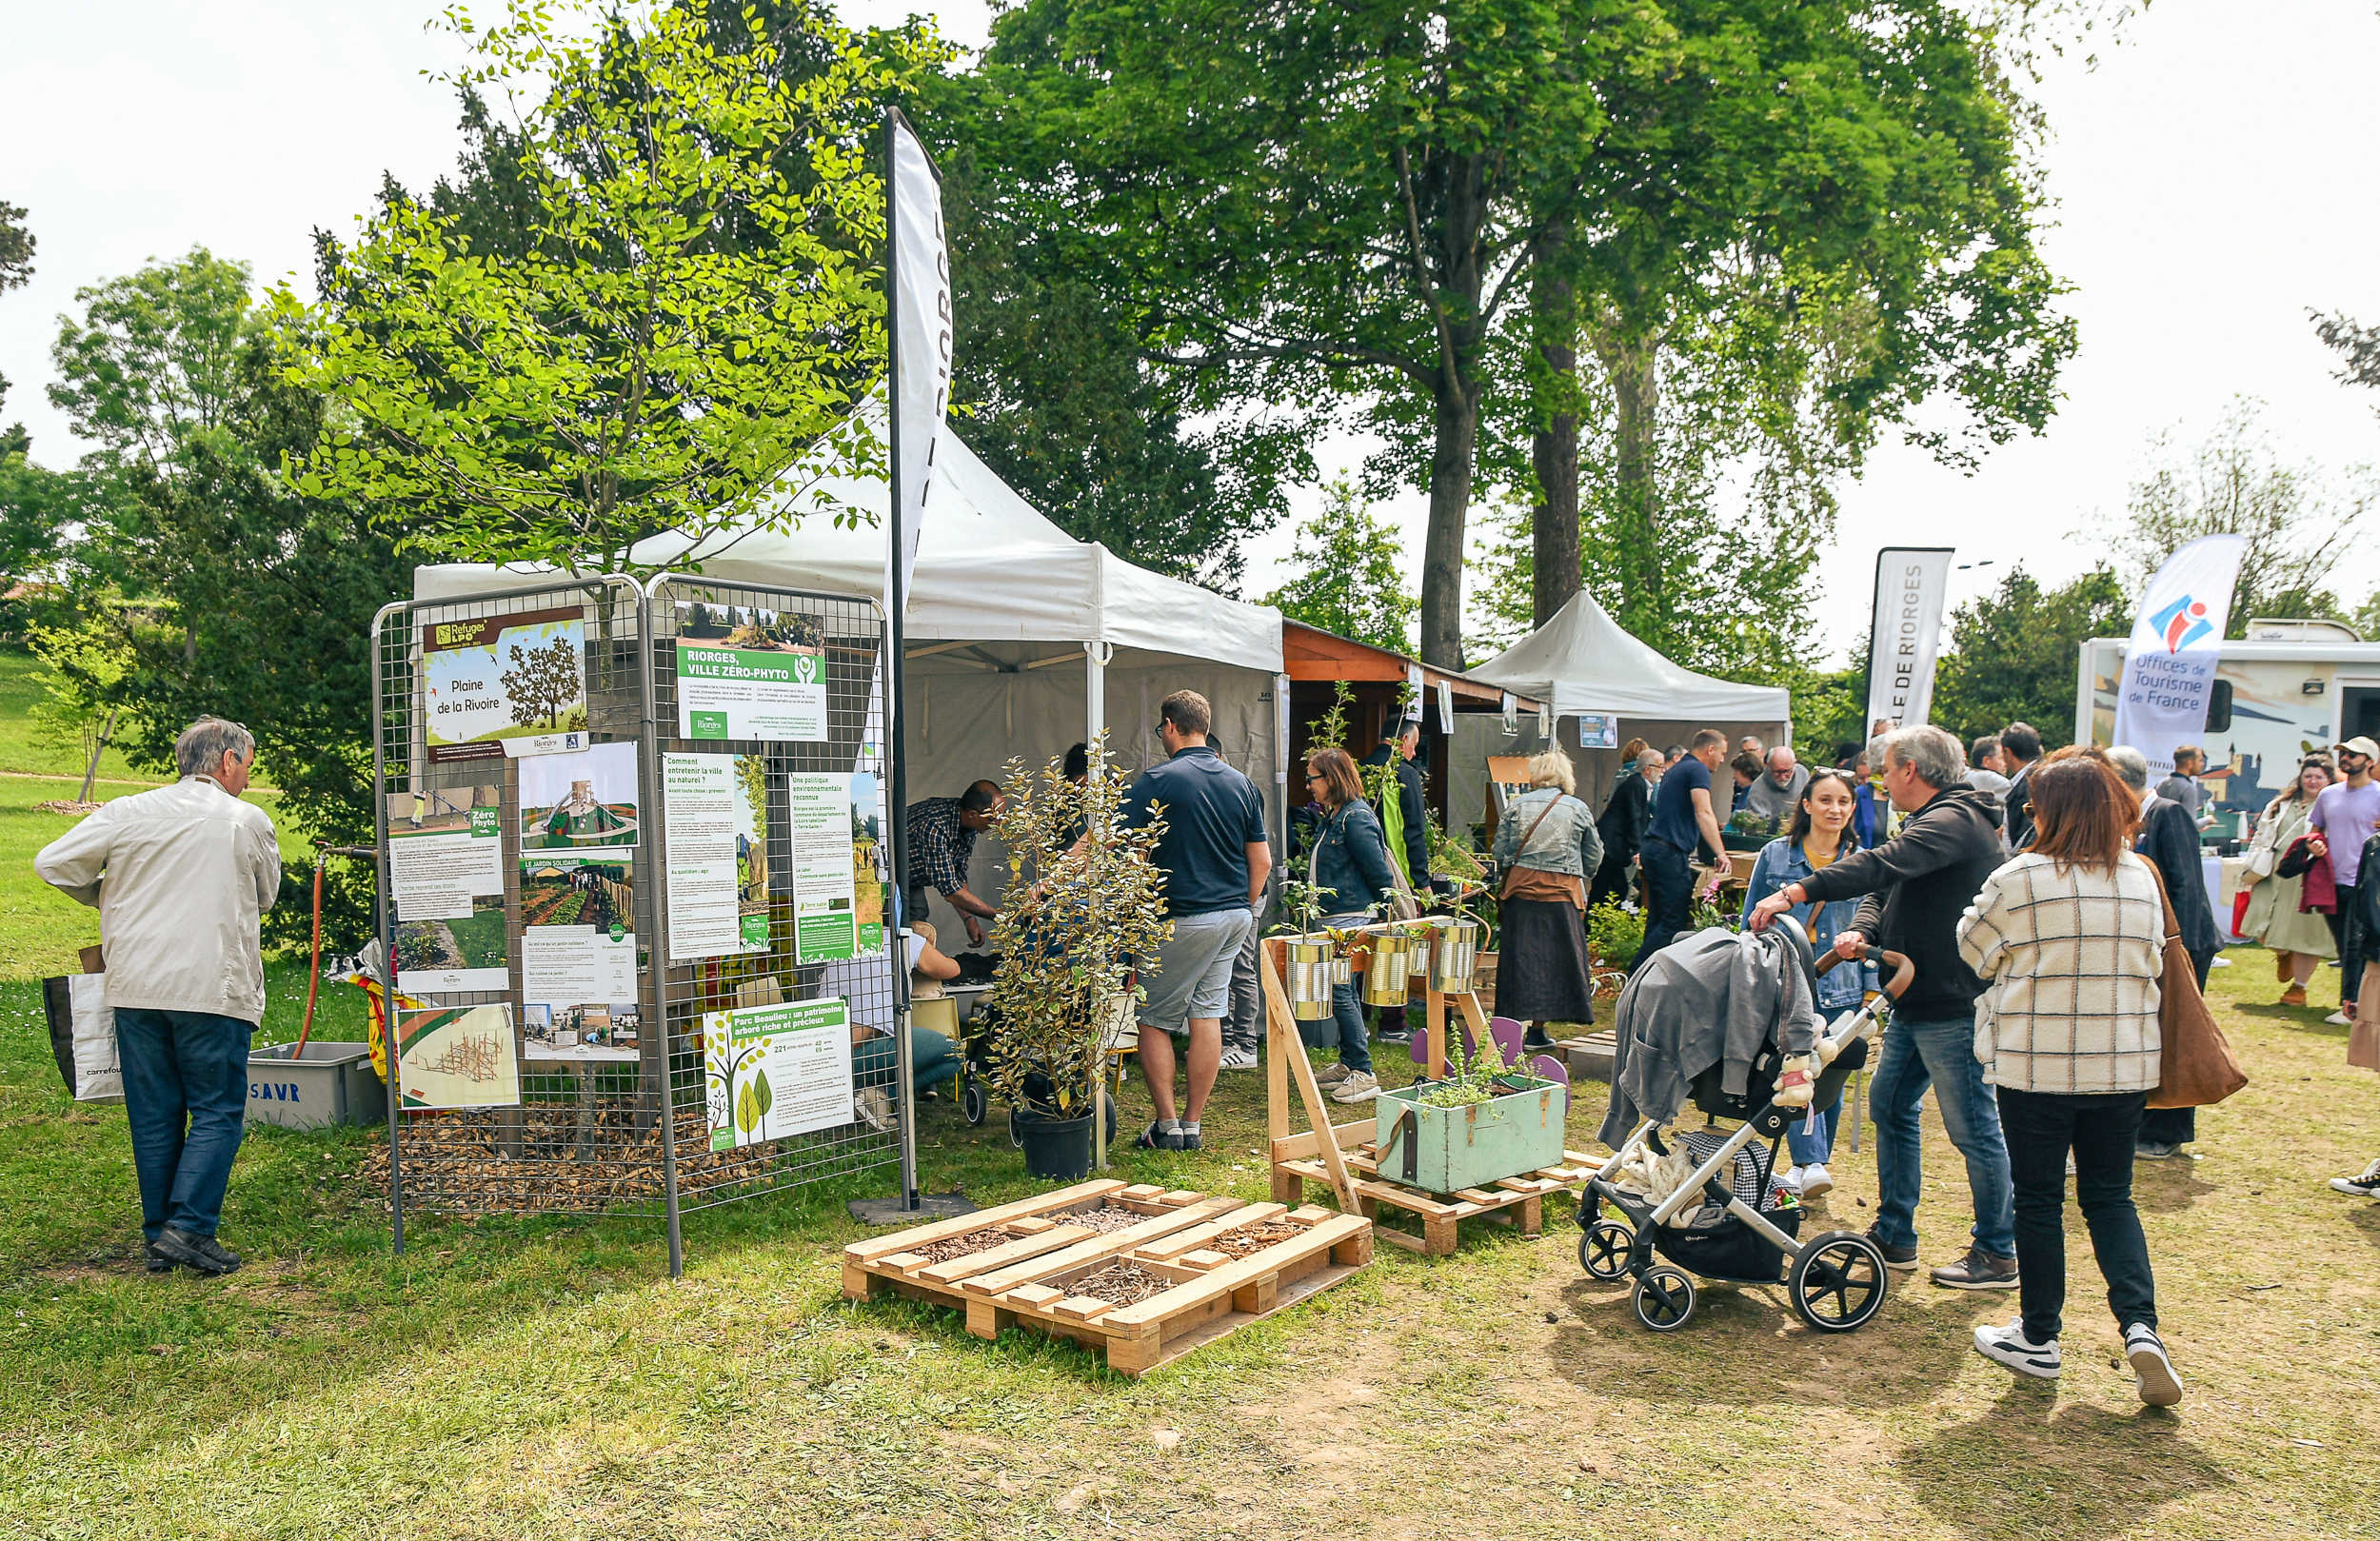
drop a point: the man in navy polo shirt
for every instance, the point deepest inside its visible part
(1682, 819)
(1216, 860)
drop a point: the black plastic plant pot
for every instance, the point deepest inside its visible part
(1055, 1147)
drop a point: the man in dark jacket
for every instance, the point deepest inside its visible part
(1917, 885)
(1627, 814)
(2169, 838)
(2020, 745)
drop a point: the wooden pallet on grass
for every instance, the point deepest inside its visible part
(1513, 1201)
(1029, 1281)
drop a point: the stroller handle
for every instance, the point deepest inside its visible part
(1903, 970)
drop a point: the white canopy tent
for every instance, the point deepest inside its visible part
(1581, 661)
(1020, 640)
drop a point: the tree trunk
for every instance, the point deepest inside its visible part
(1554, 567)
(1457, 416)
(1631, 356)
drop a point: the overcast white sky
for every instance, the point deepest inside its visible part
(2212, 178)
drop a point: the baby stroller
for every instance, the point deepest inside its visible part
(1836, 1280)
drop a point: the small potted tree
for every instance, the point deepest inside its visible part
(1083, 901)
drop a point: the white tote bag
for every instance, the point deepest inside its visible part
(97, 1075)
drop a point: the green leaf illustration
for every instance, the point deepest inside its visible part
(747, 1113)
(763, 1096)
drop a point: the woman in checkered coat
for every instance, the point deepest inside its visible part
(2069, 940)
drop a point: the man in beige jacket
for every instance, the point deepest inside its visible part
(181, 877)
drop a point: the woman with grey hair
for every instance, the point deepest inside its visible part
(1546, 845)
(2169, 838)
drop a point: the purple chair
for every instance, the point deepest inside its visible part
(1550, 1069)
(1508, 1035)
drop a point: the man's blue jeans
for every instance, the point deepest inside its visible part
(1944, 1055)
(186, 1098)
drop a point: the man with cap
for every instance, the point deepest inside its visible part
(2344, 816)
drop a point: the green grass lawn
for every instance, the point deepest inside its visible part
(21, 749)
(543, 1378)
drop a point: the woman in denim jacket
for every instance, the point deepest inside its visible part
(1548, 846)
(1349, 862)
(1821, 834)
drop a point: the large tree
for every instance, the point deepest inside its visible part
(1291, 201)
(652, 319)
(1349, 576)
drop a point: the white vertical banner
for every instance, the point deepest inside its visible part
(2177, 640)
(921, 331)
(1910, 585)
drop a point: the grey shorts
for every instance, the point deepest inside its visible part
(1191, 976)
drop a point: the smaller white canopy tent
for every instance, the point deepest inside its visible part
(1020, 640)
(1581, 661)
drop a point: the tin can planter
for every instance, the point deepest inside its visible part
(1453, 952)
(1343, 968)
(1310, 976)
(1446, 1149)
(1396, 956)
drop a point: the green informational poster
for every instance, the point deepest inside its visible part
(819, 814)
(747, 673)
(716, 810)
(770, 1072)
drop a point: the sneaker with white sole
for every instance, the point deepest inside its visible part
(2159, 1386)
(876, 1109)
(1360, 1086)
(1977, 1270)
(1816, 1180)
(1790, 1179)
(2010, 1346)
(2340, 1018)
(2367, 1185)
(1236, 1060)
(1331, 1074)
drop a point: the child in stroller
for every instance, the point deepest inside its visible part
(1737, 1232)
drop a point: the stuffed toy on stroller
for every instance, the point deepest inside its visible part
(1727, 1019)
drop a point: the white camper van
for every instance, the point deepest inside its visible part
(2288, 687)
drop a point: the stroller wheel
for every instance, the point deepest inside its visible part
(1665, 1297)
(1016, 1130)
(976, 1106)
(1604, 1251)
(1837, 1282)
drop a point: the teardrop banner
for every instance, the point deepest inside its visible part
(2177, 644)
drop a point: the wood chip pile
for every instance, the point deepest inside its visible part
(1247, 1240)
(1106, 1221)
(974, 1241)
(1122, 1284)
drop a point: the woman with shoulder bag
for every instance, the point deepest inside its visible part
(1348, 862)
(2069, 938)
(1819, 836)
(1546, 845)
(2299, 938)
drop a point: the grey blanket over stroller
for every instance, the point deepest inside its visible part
(1718, 994)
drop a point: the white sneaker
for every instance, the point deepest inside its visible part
(876, 1109)
(2340, 1018)
(2159, 1386)
(1331, 1074)
(1790, 1179)
(1816, 1180)
(2219, 962)
(1236, 1060)
(2365, 1185)
(1360, 1086)
(2010, 1346)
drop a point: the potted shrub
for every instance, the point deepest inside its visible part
(1483, 1123)
(1749, 831)
(1071, 920)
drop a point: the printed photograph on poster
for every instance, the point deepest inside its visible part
(749, 673)
(446, 850)
(501, 676)
(868, 877)
(576, 802)
(458, 1056)
(818, 814)
(456, 954)
(716, 809)
(770, 1072)
(597, 892)
(595, 1034)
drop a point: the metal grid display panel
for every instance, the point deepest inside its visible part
(852, 635)
(585, 1136)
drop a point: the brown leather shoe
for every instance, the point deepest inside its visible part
(2294, 996)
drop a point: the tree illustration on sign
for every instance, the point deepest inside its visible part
(753, 1102)
(543, 682)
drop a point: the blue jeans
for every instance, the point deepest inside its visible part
(1669, 893)
(186, 1098)
(1348, 1007)
(1944, 1055)
(933, 1060)
(1814, 1149)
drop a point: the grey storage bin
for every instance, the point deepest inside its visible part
(332, 1084)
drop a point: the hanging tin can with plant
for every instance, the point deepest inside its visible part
(1309, 983)
(1396, 956)
(1454, 950)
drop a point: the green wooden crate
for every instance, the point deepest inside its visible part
(1454, 1147)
